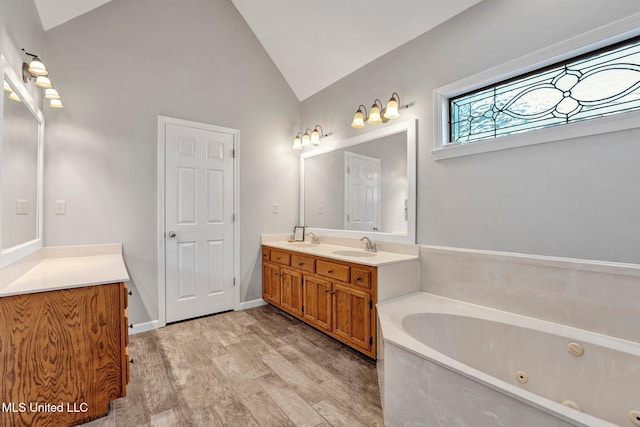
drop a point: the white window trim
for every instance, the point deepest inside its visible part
(601, 37)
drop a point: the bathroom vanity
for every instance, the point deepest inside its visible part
(335, 288)
(63, 336)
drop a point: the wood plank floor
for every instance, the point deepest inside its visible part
(257, 367)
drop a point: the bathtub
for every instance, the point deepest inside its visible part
(450, 363)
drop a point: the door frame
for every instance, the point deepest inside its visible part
(163, 121)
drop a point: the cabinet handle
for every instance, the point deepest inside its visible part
(326, 291)
(300, 264)
(330, 271)
(358, 279)
(333, 292)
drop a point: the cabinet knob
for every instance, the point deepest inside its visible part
(278, 258)
(300, 264)
(326, 291)
(131, 361)
(333, 292)
(130, 325)
(330, 271)
(130, 292)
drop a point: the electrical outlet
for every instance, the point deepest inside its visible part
(22, 207)
(276, 208)
(60, 207)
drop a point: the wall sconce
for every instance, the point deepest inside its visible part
(378, 113)
(34, 68)
(309, 138)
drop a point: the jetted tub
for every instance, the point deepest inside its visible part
(450, 363)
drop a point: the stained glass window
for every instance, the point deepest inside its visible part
(598, 84)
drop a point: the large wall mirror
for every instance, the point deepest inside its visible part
(21, 162)
(365, 185)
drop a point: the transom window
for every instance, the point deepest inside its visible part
(601, 83)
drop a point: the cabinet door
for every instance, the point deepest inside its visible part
(271, 283)
(352, 315)
(317, 302)
(291, 291)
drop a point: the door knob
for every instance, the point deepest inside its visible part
(172, 234)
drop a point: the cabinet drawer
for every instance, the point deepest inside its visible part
(281, 257)
(360, 277)
(303, 263)
(333, 270)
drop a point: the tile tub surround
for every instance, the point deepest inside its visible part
(596, 296)
(64, 267)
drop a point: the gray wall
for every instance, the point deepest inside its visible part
(118, 68)
(575, 198)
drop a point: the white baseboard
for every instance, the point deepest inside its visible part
(144, 327)
(251, 304)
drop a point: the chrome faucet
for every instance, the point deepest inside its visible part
(314, 239)
(370, 246)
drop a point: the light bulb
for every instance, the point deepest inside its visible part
(392, 109)
(374, 115)
(51, 94)
(56, 103)
(315, 137)
(43, 81)
(358, 120)
(306, 140)
(297, 144)
(14, 97)
(37, 68)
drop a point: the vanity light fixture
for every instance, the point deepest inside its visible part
(7, 87)
(359, 117)
(43, 82)
(306, 139)
(374, 113)
(297, 142)
(309, 138)
(378, 113)
(392, 110)
(14, 97)
(34, 68)
(56, 103)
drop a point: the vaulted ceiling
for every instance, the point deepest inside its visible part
(313, 43)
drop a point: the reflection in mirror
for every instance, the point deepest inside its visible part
(19, 171)
(362, 185)
(21, 164)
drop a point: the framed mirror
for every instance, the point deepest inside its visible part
(21, 165)
(365, 185)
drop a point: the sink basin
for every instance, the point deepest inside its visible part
(354, 253)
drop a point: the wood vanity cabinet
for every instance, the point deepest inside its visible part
(333, 296)
(64, 350)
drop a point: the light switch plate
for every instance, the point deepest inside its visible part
(276, 208)
(22, 207)
(61, 207)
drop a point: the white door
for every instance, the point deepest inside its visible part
(362, 192)
(199, 219)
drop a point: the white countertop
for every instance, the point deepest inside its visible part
(67, 267)
(343, 253)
